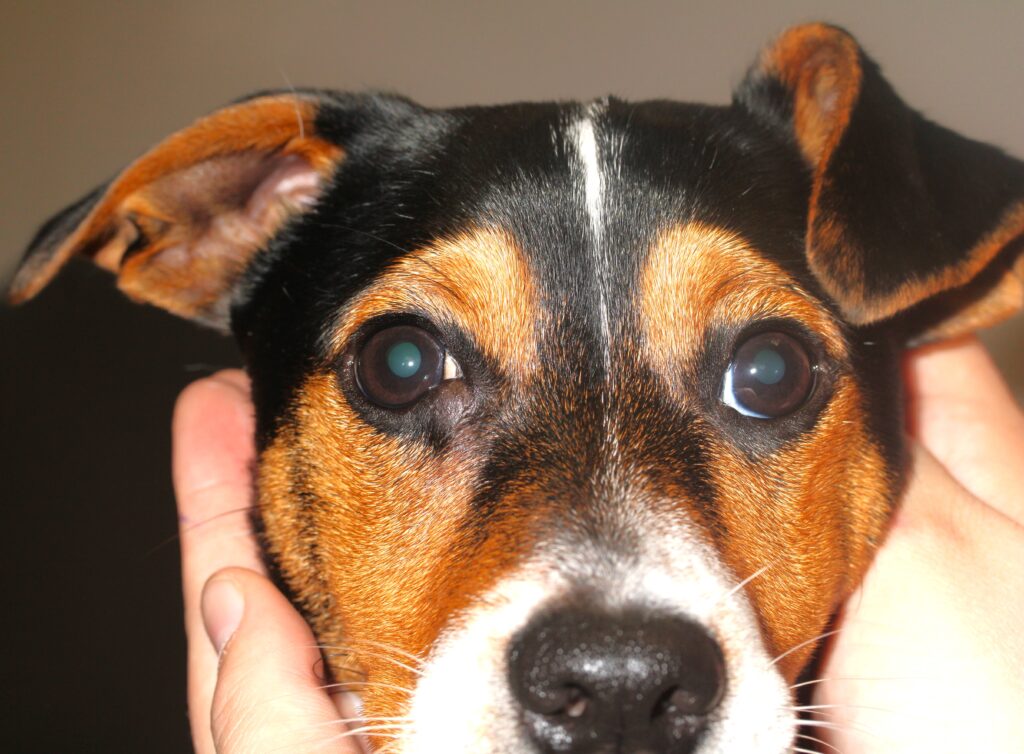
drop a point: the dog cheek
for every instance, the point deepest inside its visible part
(374, 535)
(811, 514)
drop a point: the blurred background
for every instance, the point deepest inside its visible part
(94, 644)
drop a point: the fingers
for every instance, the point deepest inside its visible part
(212, 463)
(269, 695)
(929, 640)
(961, 410)
(949, 520)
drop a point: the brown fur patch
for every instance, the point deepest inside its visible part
(698, 277)
(173, 195)
(372, 530)
(815, 510)
(821, 66)
(814, 507)
(478, 281)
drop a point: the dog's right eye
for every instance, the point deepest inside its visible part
(771, 375)
(399, 365)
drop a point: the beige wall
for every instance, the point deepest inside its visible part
(88, 85)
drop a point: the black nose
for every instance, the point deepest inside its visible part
(590, 681)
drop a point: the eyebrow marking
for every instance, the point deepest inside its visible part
(477, 281)
(698, 276)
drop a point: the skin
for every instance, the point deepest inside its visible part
(927, 658)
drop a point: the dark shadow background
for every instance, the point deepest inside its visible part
(93, 644)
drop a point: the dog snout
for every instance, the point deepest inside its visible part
(591, 681)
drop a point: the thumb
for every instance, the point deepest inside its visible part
(269, 694)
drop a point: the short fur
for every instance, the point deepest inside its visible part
(592, 337)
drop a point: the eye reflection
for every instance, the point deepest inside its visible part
(771, 375)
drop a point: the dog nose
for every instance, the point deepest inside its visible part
(589, 681)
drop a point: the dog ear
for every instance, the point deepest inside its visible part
(906, 218)
(180, 224)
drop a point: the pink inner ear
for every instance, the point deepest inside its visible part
(293, 180)
(203, 224)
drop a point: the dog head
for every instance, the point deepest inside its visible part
(576, 422)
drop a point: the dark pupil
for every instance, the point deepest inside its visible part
(772, 374)
(397, 366)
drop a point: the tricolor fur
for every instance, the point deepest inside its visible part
(592, 269)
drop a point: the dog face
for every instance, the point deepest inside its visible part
(576, 422)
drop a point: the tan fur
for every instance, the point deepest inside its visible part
(816, 506)
(381, 538)
(479, 281)
(141, 198)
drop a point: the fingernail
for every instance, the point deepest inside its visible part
(223, 606)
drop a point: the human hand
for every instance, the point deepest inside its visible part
(930, 651)
(264, 694)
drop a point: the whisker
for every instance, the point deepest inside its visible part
(373, 730)
(343, 686)
(334, 651)
(356, 643)
(367, 234)
(845, 727)
(803, 644)
(826, 709)
(850, 679)
(750, 578)
(192, 527)
(363, 721)
(217, 516)
(820, 741)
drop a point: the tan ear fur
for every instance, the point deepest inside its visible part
(180, 224)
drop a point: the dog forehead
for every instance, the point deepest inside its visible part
(580, 192)
(566, 178)
(574, 197)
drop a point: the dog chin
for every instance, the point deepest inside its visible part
(463, 701)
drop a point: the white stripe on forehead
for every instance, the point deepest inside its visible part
(591, 162)
(591, 179)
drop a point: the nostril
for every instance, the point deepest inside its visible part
(576, 702)
(684, 701)
(549, 698)
(585, 679)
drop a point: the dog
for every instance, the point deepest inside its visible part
(576, 422)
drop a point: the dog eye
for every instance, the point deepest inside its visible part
(399, 365)
(770, 376)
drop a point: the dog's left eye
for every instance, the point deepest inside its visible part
(771, 375)
(399, 365)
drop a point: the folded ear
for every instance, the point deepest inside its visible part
(906, 218)
(180, 224)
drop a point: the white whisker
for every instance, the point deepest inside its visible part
(750, 578)
(820, 741)
(803, 644)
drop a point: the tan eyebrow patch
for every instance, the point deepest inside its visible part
(479, 281)
(698, 276)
